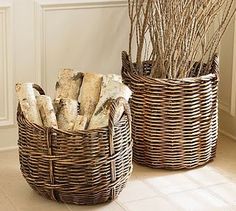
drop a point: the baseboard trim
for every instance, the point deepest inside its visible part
(227, 134)
(4, 149)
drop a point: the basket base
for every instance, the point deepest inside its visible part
(173, 167)
(73, 199)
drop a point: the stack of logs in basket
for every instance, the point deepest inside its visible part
(92, 92)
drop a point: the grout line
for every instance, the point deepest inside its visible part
(224, 173)
(9, 199)
(135, 200)
(170, 202)
(153, 188)
(217, 195)
(199, 188)
(121, 205)
(67, 206)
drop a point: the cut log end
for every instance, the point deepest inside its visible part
(69, 84)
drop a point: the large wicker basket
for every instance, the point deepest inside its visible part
(87, 167)
(175, 122)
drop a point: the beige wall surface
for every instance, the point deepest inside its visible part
(227, 91)
(39, 37)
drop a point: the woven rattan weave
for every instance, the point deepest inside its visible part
(175, 121)
(87, 167)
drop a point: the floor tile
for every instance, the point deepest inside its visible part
(226, 192)
(5, 203)
(8, 159)
(113, 206)
(143, 172)
(212, 187)
(206, 176)
(26, 199)
(136, 190)
(172, 183)
(44, 207)
(152, 204)
(200, 199)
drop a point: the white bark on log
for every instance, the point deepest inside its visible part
(90, 92)
(55, 104)
(80, 123)
(28, 103)
(113, 77)
(47, 112)
(68, 84)
(66, 114)
(110, 90)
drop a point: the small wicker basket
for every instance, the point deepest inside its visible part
(87, 167)
(175, 122)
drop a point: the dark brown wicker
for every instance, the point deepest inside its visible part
(175, 122)
(87, 167)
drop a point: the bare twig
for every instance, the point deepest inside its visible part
(175, 35)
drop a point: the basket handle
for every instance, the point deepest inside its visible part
(215, 64)
(39, 89)
(113, 119)
(127, 64)
(114, 111)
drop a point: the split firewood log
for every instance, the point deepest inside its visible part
(68, 84)
(67, 113)
(47, 112)
(110, 90)
(28, 103)
(113, 77)
(80, 123)
(90, 92)
(55, 104)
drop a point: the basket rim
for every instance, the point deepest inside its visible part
(96, 130)
(151, 80)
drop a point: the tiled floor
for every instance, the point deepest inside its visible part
(212, 187)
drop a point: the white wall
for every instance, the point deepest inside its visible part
(39, 37)
(227, 93)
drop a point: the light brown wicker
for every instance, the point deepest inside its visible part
(86, 167)
(175, 122)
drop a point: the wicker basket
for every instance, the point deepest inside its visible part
(87, 167)
(175, 122)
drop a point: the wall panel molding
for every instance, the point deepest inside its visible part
(233, 86)
(6, 42)
(227, 134)
(225, 107)
(44, 7)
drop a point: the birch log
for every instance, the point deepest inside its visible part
(28, 103)
(80, 123)
(67, 113)
(56, 103)
(110, 90)
(68, 84)
(90, 92)
(113, 77)
(47, 112)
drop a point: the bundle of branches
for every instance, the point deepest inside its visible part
(174, 35)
